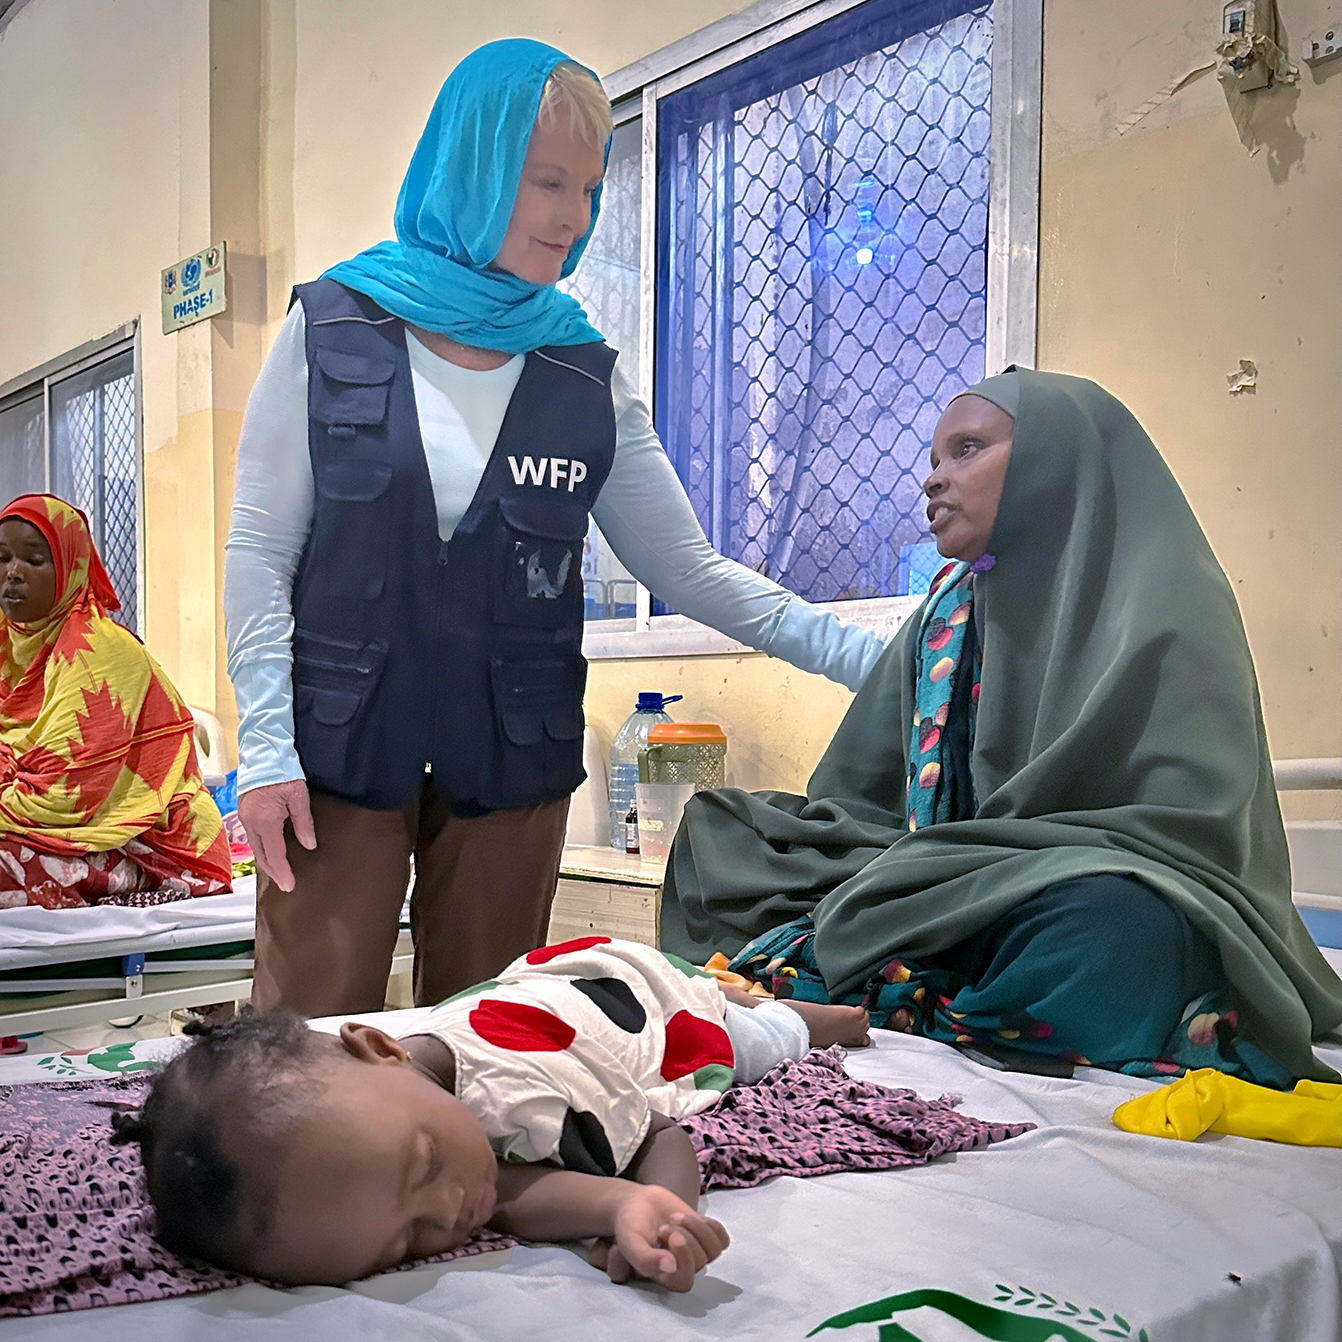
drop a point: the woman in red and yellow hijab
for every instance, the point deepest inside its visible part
(101, 799)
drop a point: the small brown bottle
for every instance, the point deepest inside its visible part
(631, 830)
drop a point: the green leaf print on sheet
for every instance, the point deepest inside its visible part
(991, 1321)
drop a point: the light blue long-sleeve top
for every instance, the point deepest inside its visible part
(642, 511)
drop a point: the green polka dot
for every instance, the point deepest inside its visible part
(690, 971)
(470, 992)
(713, 1077)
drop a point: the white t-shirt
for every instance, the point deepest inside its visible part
(567, 1055)
(642, 511)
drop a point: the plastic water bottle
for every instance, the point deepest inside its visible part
(629, 740)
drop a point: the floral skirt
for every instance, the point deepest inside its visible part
(135, 876)
(1099, 971)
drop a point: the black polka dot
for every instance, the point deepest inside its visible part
(584, 1146)
(617, 1002)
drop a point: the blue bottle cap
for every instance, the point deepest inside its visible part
(651, 701)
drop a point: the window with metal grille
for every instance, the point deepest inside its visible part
(73, 431)
(821, 289)
(607, 284)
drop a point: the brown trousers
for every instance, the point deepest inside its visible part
(482, 895)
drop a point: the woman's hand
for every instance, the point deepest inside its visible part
(658, 1237)
(263, 811)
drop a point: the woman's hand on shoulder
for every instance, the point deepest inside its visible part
(657, 1236)
(263, 812)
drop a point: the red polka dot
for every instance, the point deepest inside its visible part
(542, 955)
(692, 1043)
(520, 1028)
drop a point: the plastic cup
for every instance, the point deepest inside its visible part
(660, 806)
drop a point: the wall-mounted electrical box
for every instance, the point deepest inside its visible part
(1246, 27)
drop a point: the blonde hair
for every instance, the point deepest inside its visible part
(572, 92)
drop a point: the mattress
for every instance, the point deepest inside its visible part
(1103, 1233)
(36, 936)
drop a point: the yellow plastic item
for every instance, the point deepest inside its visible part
(1210, 1101)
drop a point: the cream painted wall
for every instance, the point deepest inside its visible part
(1169, 254)
(105, 161)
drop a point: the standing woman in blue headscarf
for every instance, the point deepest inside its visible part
(403, 592)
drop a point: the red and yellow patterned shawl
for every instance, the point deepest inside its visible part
(96, 746)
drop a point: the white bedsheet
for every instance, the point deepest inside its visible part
(35, 936)
(1139, 1228)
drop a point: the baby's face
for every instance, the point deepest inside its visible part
(385, 1166)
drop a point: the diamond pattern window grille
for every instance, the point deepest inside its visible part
(94, 466)
(822, 288)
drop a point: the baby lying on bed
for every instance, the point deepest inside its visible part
(542, 1104)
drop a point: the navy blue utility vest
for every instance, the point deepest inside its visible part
(462, 655)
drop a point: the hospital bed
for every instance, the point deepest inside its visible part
(1111, 1235)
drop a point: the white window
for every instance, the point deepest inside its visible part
(72, 428)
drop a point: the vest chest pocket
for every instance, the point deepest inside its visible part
(539, 709)
(334, 681)
(349, 391)
(538, 570)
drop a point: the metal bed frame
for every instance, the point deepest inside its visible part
(147, 985)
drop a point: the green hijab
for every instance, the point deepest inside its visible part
(1118, 730)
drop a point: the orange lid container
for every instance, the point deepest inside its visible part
(687, 734)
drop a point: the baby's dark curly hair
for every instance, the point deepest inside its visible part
(211, 1126)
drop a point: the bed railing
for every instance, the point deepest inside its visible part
(1311, 775)
(1316, 847)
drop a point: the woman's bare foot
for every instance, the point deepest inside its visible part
(846, 1025)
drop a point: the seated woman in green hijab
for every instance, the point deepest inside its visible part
(1046, 828)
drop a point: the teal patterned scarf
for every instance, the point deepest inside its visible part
(947, 654)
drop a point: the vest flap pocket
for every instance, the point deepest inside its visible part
(331, 708)
(349, 389)
(320, 659)
(536, 685)
(550, 515)
(538, 699)
(354, 369)
(563, 722)
(523, 727)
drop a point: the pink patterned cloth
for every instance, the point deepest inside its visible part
(76, 1225)
(810, 1117)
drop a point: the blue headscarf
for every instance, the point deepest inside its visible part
(454, 208)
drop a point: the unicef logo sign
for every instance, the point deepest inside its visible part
(191, 273)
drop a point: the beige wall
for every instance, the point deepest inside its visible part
(1172, 252)
(105, 160)
(1166, 256)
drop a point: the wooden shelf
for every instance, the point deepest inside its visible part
(583, 863)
